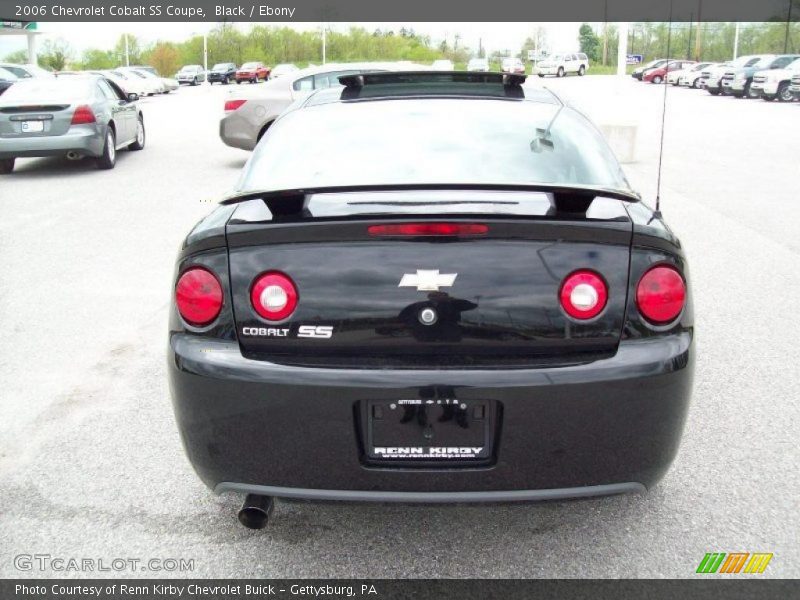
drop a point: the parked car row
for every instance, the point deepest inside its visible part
(227, 72)
(766, 76)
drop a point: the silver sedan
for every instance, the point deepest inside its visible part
(250, 112)
(68, 116)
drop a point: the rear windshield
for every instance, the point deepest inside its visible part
(48, 90)
(431, 141)
(249, 65)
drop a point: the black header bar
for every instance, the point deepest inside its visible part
(287, 11)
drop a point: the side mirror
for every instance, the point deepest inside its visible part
(132, 97)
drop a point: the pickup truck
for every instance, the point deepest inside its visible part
(711, 78)
(774, 83)
(738, 81)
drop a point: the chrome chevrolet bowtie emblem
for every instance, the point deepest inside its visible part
(428, 281)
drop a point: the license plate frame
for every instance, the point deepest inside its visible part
(442, 432)
(33, 126)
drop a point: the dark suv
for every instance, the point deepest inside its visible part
(222, 73)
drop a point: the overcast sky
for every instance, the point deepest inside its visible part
(494, 36)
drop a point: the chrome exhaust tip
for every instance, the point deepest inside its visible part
(255, 511)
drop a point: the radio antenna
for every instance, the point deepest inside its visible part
(664, 112)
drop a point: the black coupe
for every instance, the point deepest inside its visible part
(431, 287)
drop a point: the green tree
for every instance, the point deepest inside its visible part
(134, 50)
(97, 60)
(589, 42)
(19, 57)
(55, 54)
(164, 57)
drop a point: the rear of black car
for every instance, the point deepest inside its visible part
(424, 340)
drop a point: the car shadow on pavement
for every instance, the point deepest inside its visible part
(56, 166)
(422, 533)
(237, 164)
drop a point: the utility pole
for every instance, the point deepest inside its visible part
(324, 43)
(788, 22)
(127, 56)
(689, 40)
(205, 51)
(698, 40)
(605, 33)
(736, 42)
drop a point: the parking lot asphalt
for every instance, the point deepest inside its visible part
(90, 461)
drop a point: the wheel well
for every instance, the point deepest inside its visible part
(263, 131)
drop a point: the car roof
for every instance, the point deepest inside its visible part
(327, 67)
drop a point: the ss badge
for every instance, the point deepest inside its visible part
(320, 332)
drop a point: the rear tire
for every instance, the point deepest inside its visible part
(713, 92)
(581, 71)
(657, 79)
(541, 75)
(767, 98)
(109, 157)
(6, 165)
(561, 72)
(138, 144)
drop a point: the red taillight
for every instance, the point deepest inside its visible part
(231, 105)
(198, 295)
(583, 294)
(661, 294)
(455, 229)
(83, 115)
(274, 296)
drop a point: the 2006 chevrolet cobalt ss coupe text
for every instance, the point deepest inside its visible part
(430, 287)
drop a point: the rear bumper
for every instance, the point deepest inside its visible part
(236, 131)
(610, 426)
(84, 139)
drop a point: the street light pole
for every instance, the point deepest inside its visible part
(127, 55)
(324, 43)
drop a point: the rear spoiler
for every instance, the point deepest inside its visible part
(435, 83)
(565, 201)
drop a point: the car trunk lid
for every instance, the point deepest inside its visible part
(495, 294)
